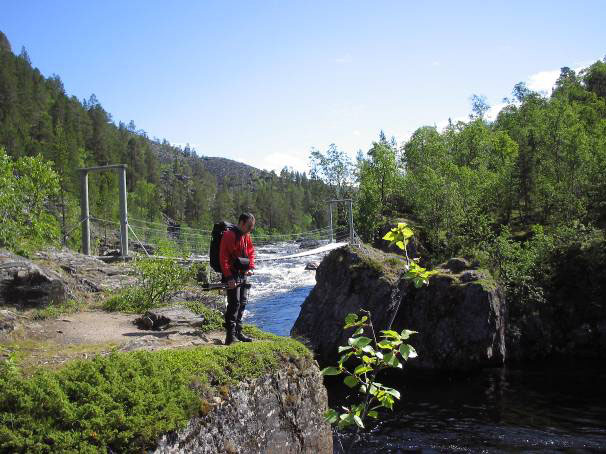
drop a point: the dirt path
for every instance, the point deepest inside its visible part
(84, 334)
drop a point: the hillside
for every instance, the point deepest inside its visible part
(37, 117)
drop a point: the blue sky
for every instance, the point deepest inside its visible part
(264, 81)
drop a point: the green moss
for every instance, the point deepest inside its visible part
(125, 401)
(388, 265)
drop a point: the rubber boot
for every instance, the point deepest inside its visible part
(240, 335)
(230, 336)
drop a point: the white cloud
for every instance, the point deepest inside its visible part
(278, 160)
(343, 59)
(491, 114)
(435, 63)
(543, 81)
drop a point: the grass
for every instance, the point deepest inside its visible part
(125, 401)
(57, 310)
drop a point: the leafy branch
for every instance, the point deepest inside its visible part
(373, 357)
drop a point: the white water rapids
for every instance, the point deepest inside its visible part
(279, 287)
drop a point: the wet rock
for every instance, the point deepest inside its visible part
(27, 284)
(309, 244)
(170, 317)
(461, 325)
(278, 413)
(311, 266)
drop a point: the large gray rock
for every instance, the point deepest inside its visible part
(23, 283)
(280, 413)
(460, 321)
(169, 317)
(84, 273)
(344, 283)
(460, 316)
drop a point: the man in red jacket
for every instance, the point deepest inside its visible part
(237, 259)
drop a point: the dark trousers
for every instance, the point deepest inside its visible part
(236, 302)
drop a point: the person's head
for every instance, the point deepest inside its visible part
(246, 222)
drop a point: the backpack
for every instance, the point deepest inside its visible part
(215, 242)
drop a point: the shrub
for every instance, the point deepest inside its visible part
(125, 401)
(26, 187)
(158, 280)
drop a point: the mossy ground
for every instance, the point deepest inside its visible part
(125, 401)
(389, 266)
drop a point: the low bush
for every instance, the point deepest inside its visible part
(125, 401)
(158, 280)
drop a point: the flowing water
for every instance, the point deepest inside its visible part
(279, 287)
(553, 408)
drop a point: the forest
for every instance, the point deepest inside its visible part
(515, 194)
(38, 118)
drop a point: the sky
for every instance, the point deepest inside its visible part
(263, 82)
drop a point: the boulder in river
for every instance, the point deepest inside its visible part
(460, 321)
(309, 244)
(311, 266)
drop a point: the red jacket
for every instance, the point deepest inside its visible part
(229, 250)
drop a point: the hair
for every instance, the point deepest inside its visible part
(244, 217)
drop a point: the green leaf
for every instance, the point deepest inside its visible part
(359, 342)
(351, 381)
(407, 351)
(343, 348)
(368, 349)
(407, 232)
(372, 414)
(385, 344)
(389, 236)
(359, 331)
(391, 360)
(379, 355)
(358, 421)
(331, 371)
(406, 333)
(351, 318)
(362, 369)
(368, 359)
(393, 392)
(391, 334)
(331, 416)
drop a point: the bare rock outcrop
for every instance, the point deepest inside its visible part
(460, 316)
(25, 284)
(279, 413)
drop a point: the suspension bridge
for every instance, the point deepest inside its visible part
(150, 237)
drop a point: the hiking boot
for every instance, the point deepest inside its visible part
(241, 337)
(231, 337)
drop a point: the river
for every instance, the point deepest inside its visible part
(557, 407)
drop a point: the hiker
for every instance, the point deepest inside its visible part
(237, 260)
